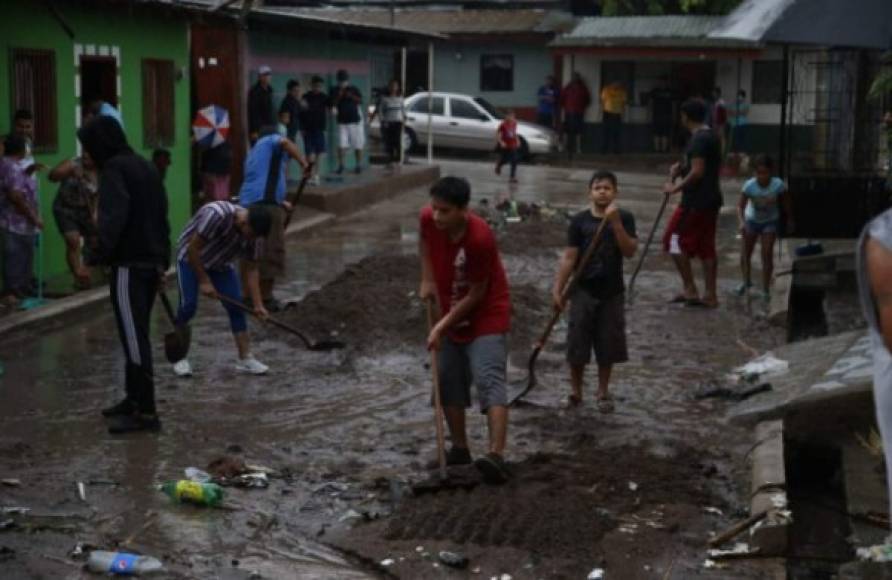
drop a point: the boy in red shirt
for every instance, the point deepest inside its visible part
(461, 269)
(509, 144)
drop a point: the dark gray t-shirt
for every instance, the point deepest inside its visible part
(706, 194)
(603, 276)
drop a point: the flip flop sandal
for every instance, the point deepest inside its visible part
(574, 401)
(695, 303)
(605, 405)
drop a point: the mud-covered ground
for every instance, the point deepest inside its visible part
(348, 433)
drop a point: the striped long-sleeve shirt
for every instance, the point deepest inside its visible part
(215, 224)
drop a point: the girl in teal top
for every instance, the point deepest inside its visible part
(758, 213)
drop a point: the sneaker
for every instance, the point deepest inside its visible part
(493, 469)
(134, 422)
(182, 368)
(251, 366)
(125, 407)
(455, 456)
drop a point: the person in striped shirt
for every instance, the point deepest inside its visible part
(216, 235)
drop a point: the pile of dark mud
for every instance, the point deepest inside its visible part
(532, 235)
(555, 511)
(373, 306)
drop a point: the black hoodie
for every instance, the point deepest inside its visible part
(133, 226)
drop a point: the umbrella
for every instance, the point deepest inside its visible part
(211, 126)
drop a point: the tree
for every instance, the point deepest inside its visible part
(660, 7)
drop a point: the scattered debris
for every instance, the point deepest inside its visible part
(350, 515)
(453, 560)
(737, 529)
(873, 443)
(14, 510)
(197, 475)
(766, 365)
(227, 467)
(877, 553)
(82, 491)
(733, 394)
(122, 563)
(11, 482)
(387, 562)
(596, 574)
(7, 524)
(740, 550)
(633, 486)
(713, 565)
(713, 510)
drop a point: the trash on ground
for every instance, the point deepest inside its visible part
(123, 564)
(740, 550)
(14, 510)
(713, 510)
(873, 443)
(11, 482)
(226, 467)
(733, 394)
(197, 475)
(633, 486)
(387, 562)
(453, 560)
(7, 524)
(350, 515)
(713, 565)
(209, 494)
(877, 553)
(766, 365)
(82, 491)
(596, 574)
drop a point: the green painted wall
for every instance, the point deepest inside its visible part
(138, 33)
(457, 70)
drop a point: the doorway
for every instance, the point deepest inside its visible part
(99, 81)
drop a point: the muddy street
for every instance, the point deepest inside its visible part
(344, 434)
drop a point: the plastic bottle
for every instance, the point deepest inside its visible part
(123, 564)
(209, 494)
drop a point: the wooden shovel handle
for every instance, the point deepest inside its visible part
(438, 406)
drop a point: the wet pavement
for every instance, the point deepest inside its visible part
(347, 430)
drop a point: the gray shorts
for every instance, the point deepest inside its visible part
(599, 325)
(483, 361)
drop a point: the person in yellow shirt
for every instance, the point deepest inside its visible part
(613, 103)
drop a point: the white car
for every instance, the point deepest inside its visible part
(464, 122)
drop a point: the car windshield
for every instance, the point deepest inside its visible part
(487, 106)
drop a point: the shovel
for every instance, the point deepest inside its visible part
(650, 238)
(565, 293)
(438, 407)
(321, 345)
(176, 343)
(300, 190)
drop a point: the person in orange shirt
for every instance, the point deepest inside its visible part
(613, 104)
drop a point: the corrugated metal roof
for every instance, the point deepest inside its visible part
(320, 18)
(691, 30)
(454, 21)
(857, 24)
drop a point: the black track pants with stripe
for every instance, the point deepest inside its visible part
(133, 292)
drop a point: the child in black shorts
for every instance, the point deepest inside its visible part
(597, 316)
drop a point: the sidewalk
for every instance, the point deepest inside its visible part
(318, 207)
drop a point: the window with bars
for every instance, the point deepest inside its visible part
(158, 102)
(33, 88)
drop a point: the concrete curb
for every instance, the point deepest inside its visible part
(769, 490)
(83, 300)
(351, 198)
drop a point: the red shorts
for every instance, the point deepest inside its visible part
(695, 231)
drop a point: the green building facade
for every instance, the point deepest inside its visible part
(135, 57)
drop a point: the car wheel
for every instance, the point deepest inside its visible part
(524, 150)
(410, 140)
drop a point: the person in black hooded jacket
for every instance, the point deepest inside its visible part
(134, 242)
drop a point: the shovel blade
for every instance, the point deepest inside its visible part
(176, 344)
(323, 345)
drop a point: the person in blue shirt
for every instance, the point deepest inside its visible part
(758, 212)
(547, 98)
(265, 183)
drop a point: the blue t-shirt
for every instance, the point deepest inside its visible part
(761, 205)
(257, 171)
(547, 106)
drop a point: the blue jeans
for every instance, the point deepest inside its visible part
(18, 262)
(225, 282)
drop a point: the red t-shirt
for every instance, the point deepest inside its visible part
(457, 265)
(508, 134)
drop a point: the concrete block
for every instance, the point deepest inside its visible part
(353, 196)
(768, 472)
(768, 485)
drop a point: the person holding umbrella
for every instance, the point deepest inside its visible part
(210, 131)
